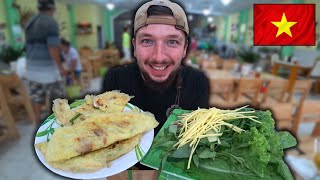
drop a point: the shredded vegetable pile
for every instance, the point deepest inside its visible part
(207, 123)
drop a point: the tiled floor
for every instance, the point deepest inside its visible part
(19, 162)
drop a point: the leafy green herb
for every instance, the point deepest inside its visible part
(74, 118)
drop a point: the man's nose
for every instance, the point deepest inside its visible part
(159, 52)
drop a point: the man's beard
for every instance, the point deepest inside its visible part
(159, 86)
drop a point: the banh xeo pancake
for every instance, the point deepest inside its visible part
(97, 132)
(93, 160)
(111, 101)
(62, 111)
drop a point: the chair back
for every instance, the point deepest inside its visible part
(222, 87)
(249, 87)
(300, 92)
(6, 118)
(110, 57)
(85, 51)
(276, 89)
(16, 93)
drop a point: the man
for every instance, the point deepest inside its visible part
(157, 80)
(126, 45)
(72, 59)
(44, 67)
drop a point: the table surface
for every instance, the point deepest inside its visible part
(306, 145)
(223, 74)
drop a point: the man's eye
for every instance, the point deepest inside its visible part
(146, 41)
(172, 42)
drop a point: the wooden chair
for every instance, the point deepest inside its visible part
(315, 75)
(287, 113)
(310, 112)
(275, 92)
(17, 95)
(110, 58)
(220, 92)
(247, 91)
(85, 51)
(86, 74)
(205, 64)
(9, 124)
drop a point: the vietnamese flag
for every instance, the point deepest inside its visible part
(284, 24)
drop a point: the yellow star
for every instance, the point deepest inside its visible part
(284, 26)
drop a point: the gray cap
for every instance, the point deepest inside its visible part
(179, 16)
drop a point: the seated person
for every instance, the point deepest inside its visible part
(72, 59)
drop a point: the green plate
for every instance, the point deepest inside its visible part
(155, 155)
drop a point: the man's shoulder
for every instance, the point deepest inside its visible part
(125, 69)
(47, 19)
(191, 72)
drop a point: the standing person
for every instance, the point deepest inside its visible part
(126, 40)
(44, 68)
(158, 80)
(72, 58)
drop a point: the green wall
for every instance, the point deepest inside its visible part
(3, 20)
(243, 25)
(67, 20)
(88, 13)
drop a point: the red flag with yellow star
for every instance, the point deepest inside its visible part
(284, 24)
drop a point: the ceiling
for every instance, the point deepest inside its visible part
(216, 7)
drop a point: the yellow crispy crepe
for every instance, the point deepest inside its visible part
(94, 160)
(62, 111)
(111, 101)
(97, 132)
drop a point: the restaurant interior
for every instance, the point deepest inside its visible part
(282, 79)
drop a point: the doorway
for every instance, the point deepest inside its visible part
(100, 37)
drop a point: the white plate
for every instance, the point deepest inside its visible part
(124, 162)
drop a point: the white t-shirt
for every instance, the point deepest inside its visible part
(72, 54)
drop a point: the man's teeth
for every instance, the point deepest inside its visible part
(159, 68)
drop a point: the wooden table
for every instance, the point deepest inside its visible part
(294, 70)
(135, 175)
(223, 74)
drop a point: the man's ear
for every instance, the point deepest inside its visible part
(133, 41)
(185, 48)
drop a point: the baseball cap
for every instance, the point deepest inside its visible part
(179, 16)
(46, 4)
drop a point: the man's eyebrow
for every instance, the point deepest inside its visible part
(175, 36)
(144, 35)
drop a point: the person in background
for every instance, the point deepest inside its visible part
(44, 68)
(107, 45)
(223, 52)
(72, 59)
(126, 40)
(158, 80)
(194, 43)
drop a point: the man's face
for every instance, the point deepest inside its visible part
(159, 50)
